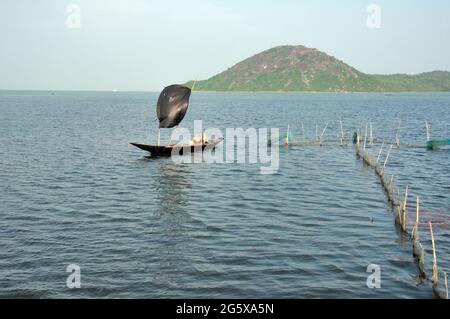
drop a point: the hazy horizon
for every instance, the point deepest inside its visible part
(145, 45)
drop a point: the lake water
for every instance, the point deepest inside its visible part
(73, 192)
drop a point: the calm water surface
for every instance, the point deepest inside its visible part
(72, 191)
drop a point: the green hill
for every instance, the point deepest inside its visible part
(298, 68)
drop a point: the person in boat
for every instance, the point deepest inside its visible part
(204, 139)
(200, 140)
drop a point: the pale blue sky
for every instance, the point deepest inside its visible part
(145, 45)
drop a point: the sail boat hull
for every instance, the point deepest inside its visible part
(163, 150)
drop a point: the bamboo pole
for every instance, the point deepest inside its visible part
(286, 142)
(404, 222)
(158, 138)
(171, 135)
(386, 160)
(371, 134)
(387, 157)
(317, 132)
(193, 85)
(342, 132)
(391, 189)
(397, 139)
(435, 273)
(323, 132)
(379, 154)
(367, 158)
(365, 140)
(445, 285)
(405, 201)
(358, 146)
(417, 210)
(428, 131)
(398, 218)
(416, 226)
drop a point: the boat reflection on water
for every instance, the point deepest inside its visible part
(168, 235)
(171, 185)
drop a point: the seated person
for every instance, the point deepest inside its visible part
(199, 140)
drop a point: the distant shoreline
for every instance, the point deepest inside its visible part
(324, 92)
(253, 92)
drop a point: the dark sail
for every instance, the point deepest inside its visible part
(172, 105)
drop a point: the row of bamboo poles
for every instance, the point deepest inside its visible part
(400, 205)
(342, 138)
(319, 138)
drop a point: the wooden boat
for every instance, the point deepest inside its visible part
(435, 144)
(173, 103)
(166, 150)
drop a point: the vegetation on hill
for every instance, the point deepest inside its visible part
(298, 68)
